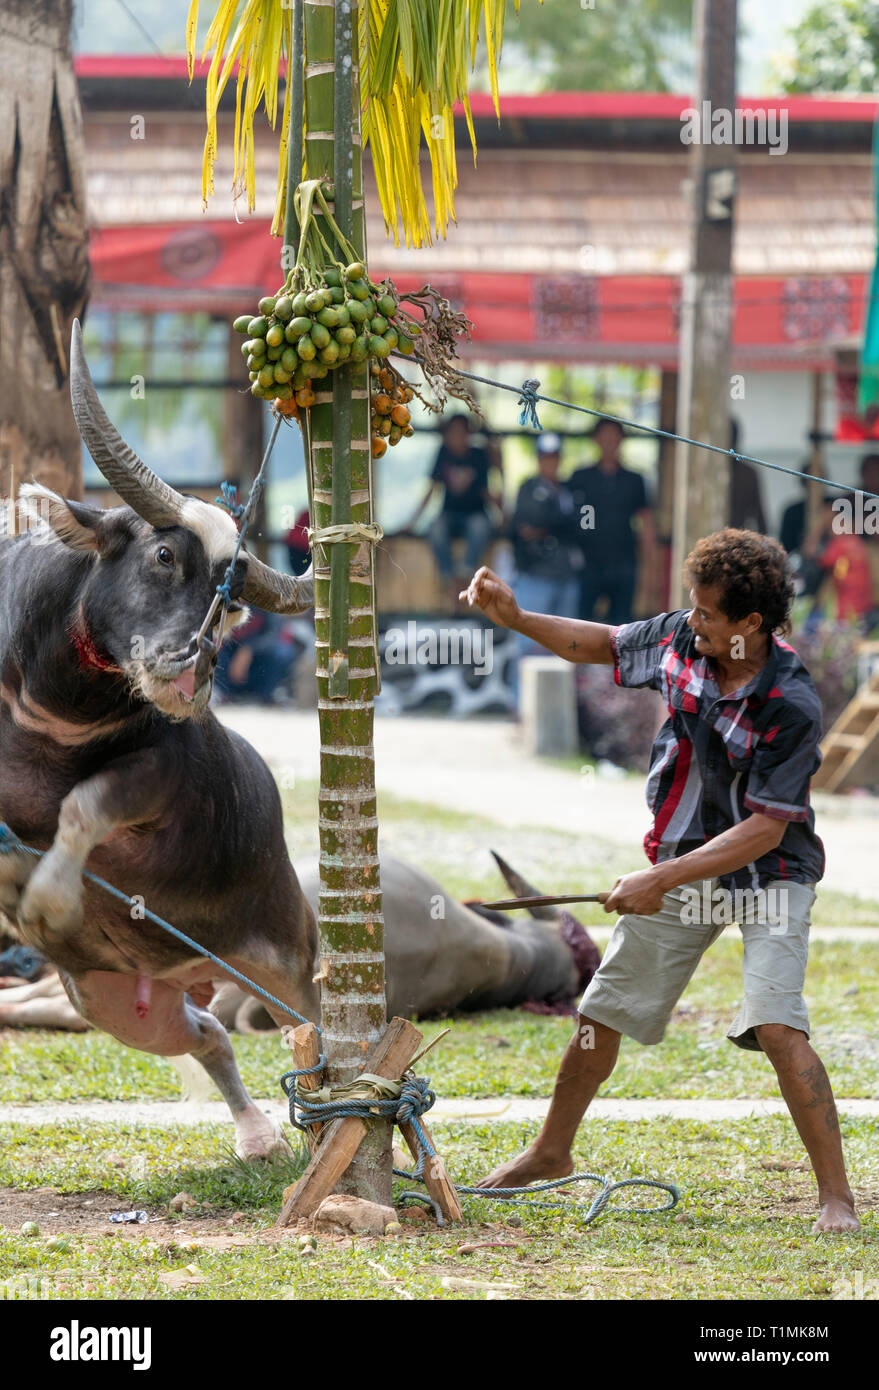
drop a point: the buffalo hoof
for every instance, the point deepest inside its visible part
(256, 1137)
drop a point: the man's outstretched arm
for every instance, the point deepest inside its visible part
(584, 643)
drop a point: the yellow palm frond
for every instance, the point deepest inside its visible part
(261, 39)
(415, 60)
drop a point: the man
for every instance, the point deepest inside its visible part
(545, 545)
(609, 499)
(461, 471)
(745, 509)
(729, 792)
(842, 556)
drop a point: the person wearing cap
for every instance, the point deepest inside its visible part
(545, 546)
(609, 498)
(462, 474)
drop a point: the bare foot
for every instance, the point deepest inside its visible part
(530, 1166)
(837, 1215)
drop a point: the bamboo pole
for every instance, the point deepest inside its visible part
(349, 915)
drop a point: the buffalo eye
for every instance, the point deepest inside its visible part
(165, 556)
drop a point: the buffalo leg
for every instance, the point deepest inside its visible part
(126, 792)
(172, 1026)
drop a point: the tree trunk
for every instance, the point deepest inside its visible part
(44, 272)
(350, 918)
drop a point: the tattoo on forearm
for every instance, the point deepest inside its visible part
(572, 647)
(819, 1084)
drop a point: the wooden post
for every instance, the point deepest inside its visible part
(389, 1058)
(436, 1179)
(702, 479)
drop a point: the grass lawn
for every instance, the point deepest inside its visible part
(511, 1052)
(748, 1200)
(742, 1230)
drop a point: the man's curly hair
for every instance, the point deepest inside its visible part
(751, 573)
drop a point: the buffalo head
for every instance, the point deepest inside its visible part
(154, 565)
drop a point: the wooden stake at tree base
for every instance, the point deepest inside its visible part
(342, 1138)
(389, 1058)
(306, 1053)
(436, 1179)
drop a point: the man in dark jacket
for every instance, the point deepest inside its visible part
(610, 500)
(545, 541)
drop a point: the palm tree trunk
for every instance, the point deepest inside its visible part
(350, 917)
(44, 272)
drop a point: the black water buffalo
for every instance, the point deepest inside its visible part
(110, 757)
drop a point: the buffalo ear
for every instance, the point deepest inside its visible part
(74, 524)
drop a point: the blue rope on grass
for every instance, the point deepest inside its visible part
(414, 1100)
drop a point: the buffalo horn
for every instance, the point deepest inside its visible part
(128, 475)
(523, 889)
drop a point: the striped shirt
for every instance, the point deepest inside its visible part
(718, 757)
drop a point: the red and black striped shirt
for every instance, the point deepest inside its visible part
(718, 757)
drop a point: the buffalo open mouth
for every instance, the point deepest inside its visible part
(172, 688)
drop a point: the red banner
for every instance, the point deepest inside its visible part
(224, 267)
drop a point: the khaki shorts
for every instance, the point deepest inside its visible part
(649, 961)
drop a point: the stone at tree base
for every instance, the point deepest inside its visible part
(353, 1215)
(182, 1202)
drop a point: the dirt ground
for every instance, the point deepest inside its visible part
(85, 1214)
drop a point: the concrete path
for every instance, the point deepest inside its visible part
(477, 766)
(461, 1111)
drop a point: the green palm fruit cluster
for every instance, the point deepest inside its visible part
(304, 330)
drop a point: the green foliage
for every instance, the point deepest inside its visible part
(632, 45)
(836, 49)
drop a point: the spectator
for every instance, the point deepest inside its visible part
(745, 499)
(870, 483)
(461, 471)
(546, 541)
(256, 660)
(844, 557)
(608, 499)
(296, 541)
(792, 535)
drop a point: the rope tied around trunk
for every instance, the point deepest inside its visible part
(367, 1097)
(346, 533)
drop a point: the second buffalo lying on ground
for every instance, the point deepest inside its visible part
(442, 956)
